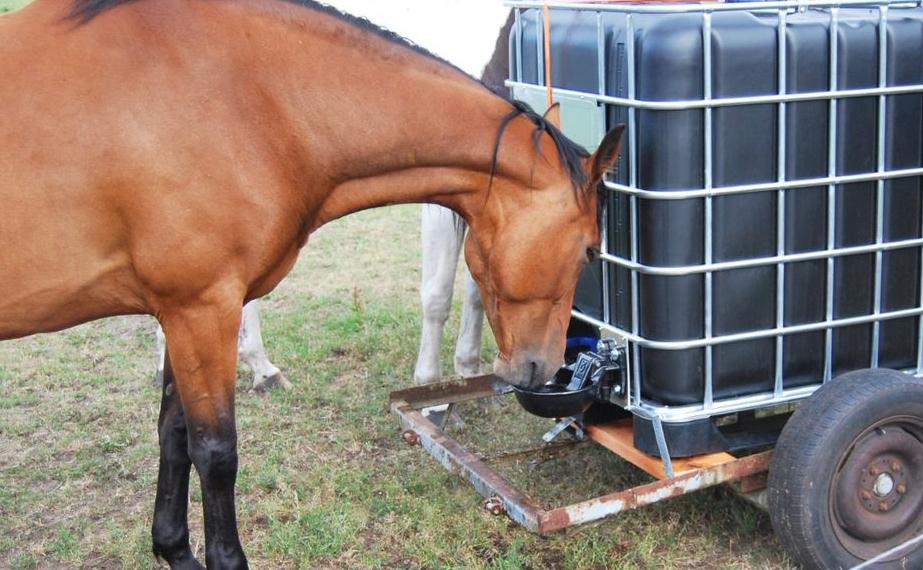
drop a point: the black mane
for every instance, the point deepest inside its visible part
(86, 10)
(571, 153)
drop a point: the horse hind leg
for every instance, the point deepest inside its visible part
(266, 375)
(170, 531)
(203, 354)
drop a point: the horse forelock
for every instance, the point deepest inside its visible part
(571, 154)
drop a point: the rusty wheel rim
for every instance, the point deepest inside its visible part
(876, 499)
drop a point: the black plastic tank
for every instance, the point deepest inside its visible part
(670, 146)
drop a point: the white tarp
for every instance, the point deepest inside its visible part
(463, 32)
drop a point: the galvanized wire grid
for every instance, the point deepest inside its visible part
(781, 186)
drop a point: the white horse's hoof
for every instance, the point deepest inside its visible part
(467, 368)
(422, 378)
(270, 383)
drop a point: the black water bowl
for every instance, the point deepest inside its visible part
(554, 400)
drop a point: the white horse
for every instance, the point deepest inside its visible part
(442, 230)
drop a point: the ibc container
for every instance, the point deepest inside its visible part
(752, 297)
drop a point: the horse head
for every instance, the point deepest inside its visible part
(532, 240)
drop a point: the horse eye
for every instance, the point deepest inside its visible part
(592, 254)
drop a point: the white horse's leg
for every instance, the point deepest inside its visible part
(161, 354)
(442, 232)
(253, 354)
(468, 347)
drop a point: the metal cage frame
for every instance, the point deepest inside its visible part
(709, 406)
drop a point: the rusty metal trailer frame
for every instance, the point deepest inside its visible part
(502, 496)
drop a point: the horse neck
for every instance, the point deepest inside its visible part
(377, 123)
(406, 154)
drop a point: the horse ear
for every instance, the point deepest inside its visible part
(553, 115)
(606, 155)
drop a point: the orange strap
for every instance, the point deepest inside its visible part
(547, 18)
(546, 13)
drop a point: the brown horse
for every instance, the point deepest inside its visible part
(139, 137)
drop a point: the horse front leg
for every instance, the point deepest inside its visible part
(468, 347)
(202, 343)
(170, 531)
(442, 233)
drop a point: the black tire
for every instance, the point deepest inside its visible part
(854, 439)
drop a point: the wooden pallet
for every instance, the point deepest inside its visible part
(618, 437)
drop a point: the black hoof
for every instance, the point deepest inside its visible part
(190, 564)
(271, 383)
(183, 560)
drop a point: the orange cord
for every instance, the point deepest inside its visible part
(546, 13)
(547, 18)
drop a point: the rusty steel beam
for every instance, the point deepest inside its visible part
(454, 457)
(451, 392)
(753, 483)
(502, 496)
(600, 507)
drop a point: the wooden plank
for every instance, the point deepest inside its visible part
(618, 437)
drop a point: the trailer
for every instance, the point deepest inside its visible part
(756, 313)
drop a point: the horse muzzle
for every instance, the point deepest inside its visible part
(525, 371)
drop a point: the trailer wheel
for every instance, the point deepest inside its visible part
(846, 478)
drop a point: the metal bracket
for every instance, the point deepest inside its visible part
(573, 421)
(662, 446)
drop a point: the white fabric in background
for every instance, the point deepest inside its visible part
(460, 31)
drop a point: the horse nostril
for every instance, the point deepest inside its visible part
(534, 373)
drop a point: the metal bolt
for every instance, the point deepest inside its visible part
(884, 484)
(607, 346)
(411, 437)
(901, 488)
(874, 470)
(882, 506)
(896, 466)
(494, 505)
(866, 495)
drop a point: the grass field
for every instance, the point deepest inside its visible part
(325, 481)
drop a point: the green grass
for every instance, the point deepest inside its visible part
(10, 5)
(325, 481)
